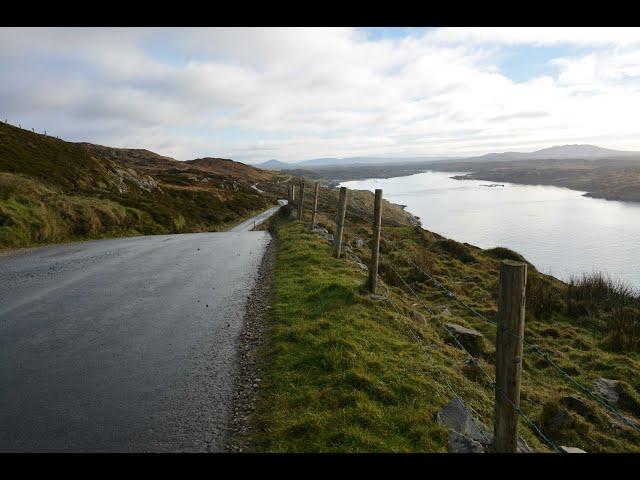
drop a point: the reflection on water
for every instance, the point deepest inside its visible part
(557, 229)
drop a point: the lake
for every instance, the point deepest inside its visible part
(558, 230)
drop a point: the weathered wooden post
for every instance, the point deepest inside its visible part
(375, 241)
(513, 280)
(314, 210)
(301, 200)
(342, 209)
(293, 199)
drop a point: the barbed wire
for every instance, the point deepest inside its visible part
(587, 391)
(492, 382)
(534, 347)
(441, 285)
(423, 347)
(441, 373)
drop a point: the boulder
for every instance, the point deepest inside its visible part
(571, 449)
(471, 339)
(456, 416)
(607, 388)
(458, 443)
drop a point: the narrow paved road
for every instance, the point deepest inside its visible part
(124, 344)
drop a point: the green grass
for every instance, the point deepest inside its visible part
(32, 214)
(340, 373)
(56, 191)
(344, 373)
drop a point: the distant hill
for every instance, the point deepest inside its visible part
(56, 191)
(560, 152)
(330, 162)
(273, 165)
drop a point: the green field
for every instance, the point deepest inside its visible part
(343, 372)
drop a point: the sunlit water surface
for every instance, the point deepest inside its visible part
(557, 229)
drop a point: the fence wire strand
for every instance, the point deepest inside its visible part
(535, 348)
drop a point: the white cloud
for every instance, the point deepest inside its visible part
(540, 36)
(254, 94)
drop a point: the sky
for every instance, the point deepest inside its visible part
(254, 94)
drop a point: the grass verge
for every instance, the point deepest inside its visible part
(342, 372)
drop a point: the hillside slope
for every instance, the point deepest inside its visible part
(52, 191)
(343, 371)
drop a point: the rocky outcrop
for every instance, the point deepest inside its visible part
(607, 388)
(471, 339)
(458, 443)
(469, 432)
(122, 177)
(571, 449)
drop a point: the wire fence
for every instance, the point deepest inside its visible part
(534, 348)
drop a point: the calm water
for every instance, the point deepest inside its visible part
(557, 229)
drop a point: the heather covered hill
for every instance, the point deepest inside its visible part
(54, 191)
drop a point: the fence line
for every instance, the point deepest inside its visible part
(534, 347)
(340, 215)
(476, 363)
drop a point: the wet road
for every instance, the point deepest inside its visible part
(124, 344)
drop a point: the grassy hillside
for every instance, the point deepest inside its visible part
(52, 191)
(344, 372)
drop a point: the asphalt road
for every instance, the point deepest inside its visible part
(125, 344)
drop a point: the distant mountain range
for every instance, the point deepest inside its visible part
(560, 152)
(348, 161)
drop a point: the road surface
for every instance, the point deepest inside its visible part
(124, 344)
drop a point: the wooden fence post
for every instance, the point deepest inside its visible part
(375, 241)
(315, 206)
(293, 199)
(301, 200)
(342, 208)
(511, 303)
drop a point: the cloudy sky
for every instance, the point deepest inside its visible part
(294, 94)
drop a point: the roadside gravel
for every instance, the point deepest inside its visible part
(248, 381)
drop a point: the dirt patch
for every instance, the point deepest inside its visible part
(248, 380)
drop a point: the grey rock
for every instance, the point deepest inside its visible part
(571, 449)
(458, 443)
(359, 243)
(607, 388)
(456, 416)
(471, 339)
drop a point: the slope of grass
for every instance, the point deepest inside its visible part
(32, 214)
(343, 372)
(54, 191)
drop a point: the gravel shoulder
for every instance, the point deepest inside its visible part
(248, 381)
